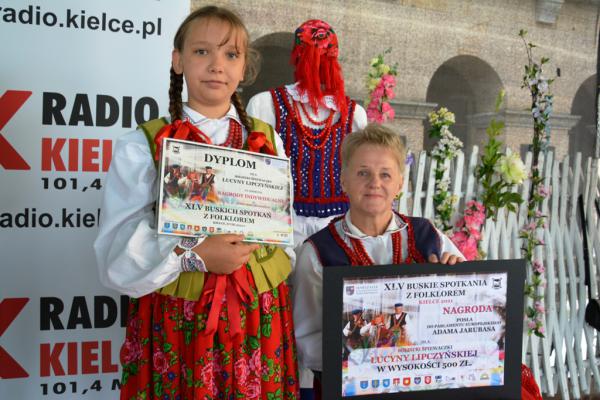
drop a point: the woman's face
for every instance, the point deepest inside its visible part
(372, 180)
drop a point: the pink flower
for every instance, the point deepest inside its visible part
(216, 362)
(538, 267)
(474, 214)
(474, 220)
(161, 365)
(374, 115)
(207, 376)
(378, 92)
(469, 249)
(255, 362)
(188, 310)
(473, 204)
(541, 330)
(531, 324)
(267, 302)
(134, 323)
(253, 389)
(466, 244)
(241, 371)
(389, 83)
(131, 351)
(475, 234)
(388, 111)
(539, 307)
(459, 238)
(543, 191)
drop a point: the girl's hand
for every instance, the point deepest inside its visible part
(447, 258)
(223, 254)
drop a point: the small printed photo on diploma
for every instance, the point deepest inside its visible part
(423, 332)
(208, 189)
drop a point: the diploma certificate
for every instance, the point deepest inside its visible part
(206, 189)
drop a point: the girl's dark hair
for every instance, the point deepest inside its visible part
(251, 59)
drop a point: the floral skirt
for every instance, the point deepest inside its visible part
(168, 355)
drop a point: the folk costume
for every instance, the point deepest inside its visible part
(313, 116)
(397, 327)
(191, 334)
(405, 240)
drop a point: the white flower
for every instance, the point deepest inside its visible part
(443, 185)
(511, 168)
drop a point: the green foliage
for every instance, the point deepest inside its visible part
(496, 192)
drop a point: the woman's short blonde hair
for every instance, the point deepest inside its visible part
(376, 135)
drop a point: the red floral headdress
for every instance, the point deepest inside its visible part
(315, 56)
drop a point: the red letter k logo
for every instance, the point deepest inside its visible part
(10, 102)
(9, 309)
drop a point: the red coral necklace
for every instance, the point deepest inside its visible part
(308, 137)
(357, 254)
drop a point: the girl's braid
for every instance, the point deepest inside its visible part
(175, 103)
(237, 103)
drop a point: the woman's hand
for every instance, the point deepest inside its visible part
(447, 258)
(223, 254)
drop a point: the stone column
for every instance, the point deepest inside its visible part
(518, 129)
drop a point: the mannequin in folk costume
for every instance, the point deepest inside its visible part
(312, 116)
(209, 317)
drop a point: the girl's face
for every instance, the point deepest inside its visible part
(212, 67)
(372, 179)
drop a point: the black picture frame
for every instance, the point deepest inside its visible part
(333, 279)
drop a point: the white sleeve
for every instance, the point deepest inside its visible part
(132, 258)
(366, 330)
(261, 106)
(307, 226)
(346, 329)
(307, 284)
(360, 118)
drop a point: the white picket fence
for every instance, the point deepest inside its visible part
(565, 362)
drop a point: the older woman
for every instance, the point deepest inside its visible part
(369, 233)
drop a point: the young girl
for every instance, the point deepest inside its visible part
(209, 317)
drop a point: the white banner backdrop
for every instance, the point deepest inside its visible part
(74, 75)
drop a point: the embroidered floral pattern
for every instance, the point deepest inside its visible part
(319, 34)
(166, 354)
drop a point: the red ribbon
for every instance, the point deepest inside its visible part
(233, 287)
(258, 143)
(183, 130)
